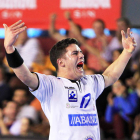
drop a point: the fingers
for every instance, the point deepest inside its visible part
(15, 24)
(67, 14)
(5, 26)
(53, 16)
(19, 30)
(128, 32)
(123, 34)
(134, 42)
(131, 37)
(18, 26)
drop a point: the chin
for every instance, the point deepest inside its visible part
(81, 75)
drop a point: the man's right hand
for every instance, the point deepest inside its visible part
(11, 34)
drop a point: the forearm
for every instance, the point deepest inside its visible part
(53, 32)
(52, 29)
(28, 78)
(3, 128)
(114, 71)
(81, 39)
(74, 27)
(23, 72)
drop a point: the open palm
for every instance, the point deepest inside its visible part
(128, 43)
(12, 32)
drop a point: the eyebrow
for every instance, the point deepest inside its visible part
(77, 51)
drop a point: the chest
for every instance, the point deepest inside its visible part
(75, 96)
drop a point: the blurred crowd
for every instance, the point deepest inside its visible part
(118, 106)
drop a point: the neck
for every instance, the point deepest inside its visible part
(65, 75)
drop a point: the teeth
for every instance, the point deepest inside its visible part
(80, 68)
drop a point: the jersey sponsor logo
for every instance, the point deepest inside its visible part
(89, 138)
(69, 87)
(72, 95)
(82, 119)
(70, 106)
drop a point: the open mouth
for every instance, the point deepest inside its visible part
(80, 66)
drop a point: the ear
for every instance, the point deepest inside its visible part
(61, 62)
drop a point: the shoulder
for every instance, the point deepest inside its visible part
(47, 78)
(51, 77)
(93, 78)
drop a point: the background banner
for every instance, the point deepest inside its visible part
(36, 13)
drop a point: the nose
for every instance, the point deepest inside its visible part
(81, 56)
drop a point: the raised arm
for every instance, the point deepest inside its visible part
(114, 71)
(15, 61)
(76, 31)
(52, 31)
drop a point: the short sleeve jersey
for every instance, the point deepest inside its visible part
(70, 106)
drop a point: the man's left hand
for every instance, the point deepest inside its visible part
(128, 43)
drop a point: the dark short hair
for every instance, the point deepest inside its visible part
(101, 21)
(59, 49)
(125, 20)
(5, 103)
(27, 94)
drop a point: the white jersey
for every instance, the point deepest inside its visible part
(71, 106)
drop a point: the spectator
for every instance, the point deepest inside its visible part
(25, 110)
(8, 116)
(95, 48)
(120, 109)
(5, 90)
(56, 35)
(44, 127)
(21, 96)
(25, 128)
(122, 24)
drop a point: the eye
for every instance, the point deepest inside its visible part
(75, 53)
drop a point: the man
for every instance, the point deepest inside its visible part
(116, 43)
(121, 109)
(20, 96)
(73, 26)
(94, 48)
(68, 100)
(5, 90)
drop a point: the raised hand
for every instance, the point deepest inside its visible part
(67, 15)
(128, 43)
(53, 17)
(11, 33)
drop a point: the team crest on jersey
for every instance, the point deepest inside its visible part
(72, 95)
